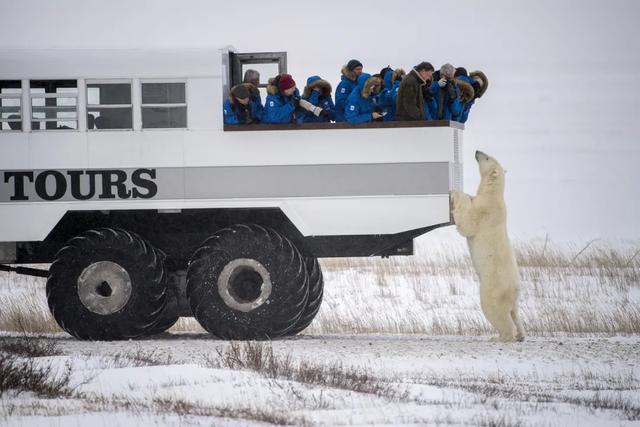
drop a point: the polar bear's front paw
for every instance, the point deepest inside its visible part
(459, 201)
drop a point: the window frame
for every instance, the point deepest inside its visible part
(32, 96)
(18, 96)
(185, 104)
(89, 106)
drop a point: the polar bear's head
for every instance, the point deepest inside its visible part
(491, 173)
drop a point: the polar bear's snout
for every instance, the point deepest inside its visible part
(481, 155)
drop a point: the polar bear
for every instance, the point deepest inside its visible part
(483, 221)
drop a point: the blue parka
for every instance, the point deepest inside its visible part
(279, 109)
(389, 96)
(466, 106)
(359, 107)
(348, 82)
(430, 106)
(231, 107)
(320, 99)
(447, 108)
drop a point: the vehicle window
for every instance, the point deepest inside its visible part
(164, 105)
(11, 105)
(109, 105)
(54, 104)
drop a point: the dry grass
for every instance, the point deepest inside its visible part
(597, 390)
(19, 375)
(259, 357)
(589, 289)
(185, 408)
(29, 346)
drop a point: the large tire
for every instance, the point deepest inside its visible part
(168, 317)
(107, 284)
(316, 289)
(247, 282)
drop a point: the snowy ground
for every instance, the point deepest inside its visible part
(397, 342)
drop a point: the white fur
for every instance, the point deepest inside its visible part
(483, 221)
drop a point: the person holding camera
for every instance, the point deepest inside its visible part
(318, 93)
(360, 104)
(472, 86)
(447, 94)
(410, 102)
(282, 101)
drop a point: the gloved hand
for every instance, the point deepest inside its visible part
(442, 82)
(296, 101)
(325, 113)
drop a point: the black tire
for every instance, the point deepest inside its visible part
(88, 283)
(168, 317)
(247, 282)
(316, 290)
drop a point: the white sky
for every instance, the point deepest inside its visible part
(561, 112)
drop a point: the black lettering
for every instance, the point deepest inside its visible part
(18, 183)
(76, 185)
(148, 184)
(114, 178)
(60, 185)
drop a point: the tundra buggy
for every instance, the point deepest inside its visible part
(117, 171)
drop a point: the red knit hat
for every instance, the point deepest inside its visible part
(286, 82)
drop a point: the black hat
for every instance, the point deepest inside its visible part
(353, 64)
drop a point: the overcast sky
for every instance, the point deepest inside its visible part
(561, 112)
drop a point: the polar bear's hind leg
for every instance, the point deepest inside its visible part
(516, 320)
(500, 318)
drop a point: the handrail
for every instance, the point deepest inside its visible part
(345, 125)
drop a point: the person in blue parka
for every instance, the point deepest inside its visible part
(389, 96)
(447, 95)
(472, 86)
(348, 82)
(283, 101)
(318, 92)
(243, 106)
(360, 106)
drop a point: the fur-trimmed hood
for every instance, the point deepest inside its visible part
(314, 82)
(466, 90)
(272, 88)
(350, 75)
(398, 74)
(253, 91)
(479, 75)
(367, 84)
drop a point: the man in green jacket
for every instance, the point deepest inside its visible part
(410, 103)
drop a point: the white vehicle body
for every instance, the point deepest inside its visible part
(340, 181)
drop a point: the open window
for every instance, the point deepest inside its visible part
(268, 64)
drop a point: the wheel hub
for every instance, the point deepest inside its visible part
(244, 284)
(104, 287)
